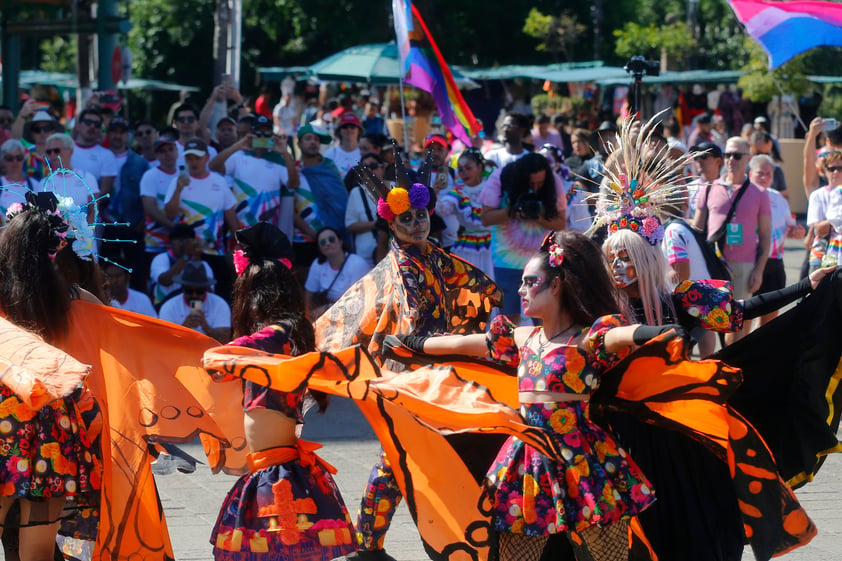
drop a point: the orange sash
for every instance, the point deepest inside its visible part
(304, 452)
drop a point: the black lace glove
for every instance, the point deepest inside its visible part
(646, 333)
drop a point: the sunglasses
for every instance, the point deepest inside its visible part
(264, 134)
(147, 132)
(12, 158)
(39, 130)
(736, 155)
(53, 151)
(833, 169)
(373, 166)
(5, 121)
(92, 122)
(327, 240)
(186, 119)
(194, 291)
(702, 157)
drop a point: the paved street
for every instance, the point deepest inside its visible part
(192, 501)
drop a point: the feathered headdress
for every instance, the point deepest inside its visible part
(394, 201)
(639, 181)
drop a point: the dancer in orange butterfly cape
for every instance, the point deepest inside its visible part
(48, 418)
(287, 506)
(417, 289)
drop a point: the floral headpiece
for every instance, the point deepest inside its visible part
(638, 183)
(69, 220)
(555, 251)
(393, 201)
(263, 241)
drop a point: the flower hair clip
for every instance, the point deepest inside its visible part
(556, 253)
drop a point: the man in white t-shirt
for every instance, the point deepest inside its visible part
(153, 191)
(117, 280)
(196, 307)
(264, 176)
(203, 199)
(346, 154)
(513, 130)
(77, 184)
(166, 266)
(361, 212)
(89, 155)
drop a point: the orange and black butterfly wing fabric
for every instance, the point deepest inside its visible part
(657, 385)
(791, 371)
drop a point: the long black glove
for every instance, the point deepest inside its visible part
(646, 333)
(762, 304)
(413, 342)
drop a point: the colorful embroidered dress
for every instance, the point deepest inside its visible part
(288, 507)
(597, 483)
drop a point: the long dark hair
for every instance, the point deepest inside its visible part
(514, 180)
(588, 291)
(32, 294)
(267, 293)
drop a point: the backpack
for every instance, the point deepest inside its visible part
(716, 266)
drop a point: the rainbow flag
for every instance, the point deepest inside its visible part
(423, 66)
(787, 29)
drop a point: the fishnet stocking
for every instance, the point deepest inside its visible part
(608, 543)
(517, 547)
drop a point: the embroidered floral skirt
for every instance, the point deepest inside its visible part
(50, 452)
(286, 512)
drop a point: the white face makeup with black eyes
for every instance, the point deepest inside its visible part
(412, 227)
(624, 271)
(534, 289)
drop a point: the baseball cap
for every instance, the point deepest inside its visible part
(436, 138)
(704, 119)
(348, 118)
(164, 139)
(708, 147)
(309, 128)
(118, 122)
(196, 147)
(262, 122)
(676, 144)
(228, 119)
(113, 100)
(182, 231)
(761, 120)
(607, 126)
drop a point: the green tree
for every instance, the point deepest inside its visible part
(761, 84)
(556, 34)
(651, 40)
(58, 54)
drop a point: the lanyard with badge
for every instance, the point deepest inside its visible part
(733, 230)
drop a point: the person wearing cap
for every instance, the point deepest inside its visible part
(264, 176)
(226, 133)
(442, 181)
(125, 205)
(762, 124)
(320, 200)
(513, 130)
(186, 122)
(41, 125)
(89, 155)
(167, 265)
(117, 277)
(707, 161)
(702, 132)
(202, 198)
(145, 135)
(346, 154)
(153, 191)
(196, 307)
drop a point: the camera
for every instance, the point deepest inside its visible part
(529, 207)
(639, 66)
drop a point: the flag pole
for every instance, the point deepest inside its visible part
(403, 115)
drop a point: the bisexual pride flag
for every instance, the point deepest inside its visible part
(787, 29)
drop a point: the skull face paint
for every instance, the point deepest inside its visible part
(412, 227)
(622, 268)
